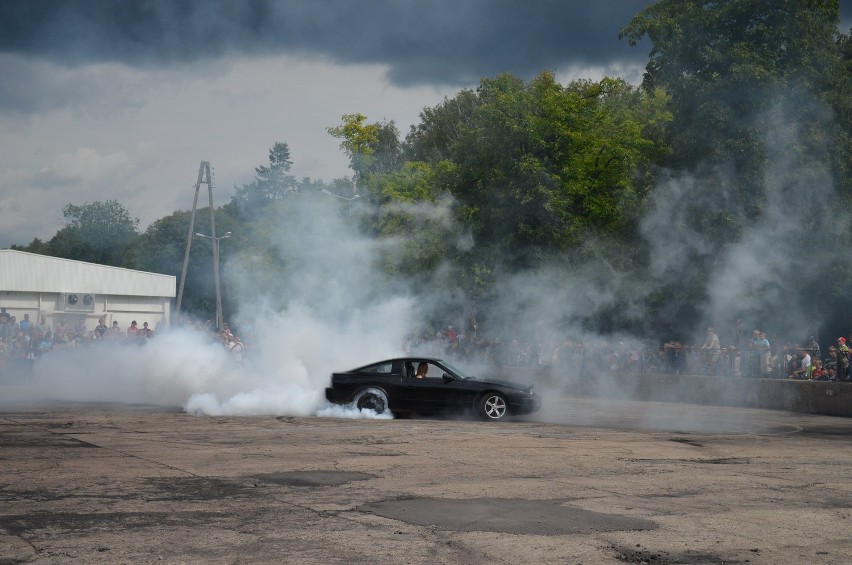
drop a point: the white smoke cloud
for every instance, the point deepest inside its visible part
(759, 273)
(334, 318)
(335, 309)
(337, 314)
(166, 371)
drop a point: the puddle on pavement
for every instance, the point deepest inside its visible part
(512, 516)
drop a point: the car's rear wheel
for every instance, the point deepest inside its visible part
(373, 399)
(492, 406)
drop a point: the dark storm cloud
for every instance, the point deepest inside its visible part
(439, 41)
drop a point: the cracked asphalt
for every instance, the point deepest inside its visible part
(586, 481)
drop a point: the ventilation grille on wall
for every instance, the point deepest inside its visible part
(79, 302)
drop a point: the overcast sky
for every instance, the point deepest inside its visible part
(106, 99)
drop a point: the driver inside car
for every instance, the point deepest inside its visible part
(422, 369)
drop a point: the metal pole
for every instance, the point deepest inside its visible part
(188, 243)
(219, 318)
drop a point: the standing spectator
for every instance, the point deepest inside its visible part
(133, 330)
(42, 326)
(115, 331)
(740, 339)
(753, 368)
(675, 356)
(842, 360)
(763, 349)
(25, 324)
(831, 364)
(100, 329)
(145, 332)
(80, 328)
(813, 347)
(712, 351)
(5, 319)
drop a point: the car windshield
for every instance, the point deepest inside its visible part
(460, 374)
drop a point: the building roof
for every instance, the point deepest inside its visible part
(28, 272)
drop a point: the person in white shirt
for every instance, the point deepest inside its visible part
(712, 351)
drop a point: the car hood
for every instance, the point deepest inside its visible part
(501, 382)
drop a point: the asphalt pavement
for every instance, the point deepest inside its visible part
(584, 481)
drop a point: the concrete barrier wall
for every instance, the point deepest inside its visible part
(829, 398)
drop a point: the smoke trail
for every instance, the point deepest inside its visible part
(334, 308)
(759, 274)
(332, 311)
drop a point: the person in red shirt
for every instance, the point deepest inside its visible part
(819, 372)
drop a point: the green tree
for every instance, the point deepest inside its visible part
(162, 246)
(839, 95)
(373, 149)
(440, 128)
(545, 166)
(750, 83)
(536, 171)
(35, 246)
(409, 213)
(725, 66)
(272, 182)
(100, 232)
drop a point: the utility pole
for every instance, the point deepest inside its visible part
(205, 176)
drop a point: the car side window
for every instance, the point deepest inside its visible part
(380, 368)
(433, 371)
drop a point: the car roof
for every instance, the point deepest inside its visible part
(416, 359)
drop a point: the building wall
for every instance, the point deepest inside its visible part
(39, 285)
(29, 272)
(53, 306)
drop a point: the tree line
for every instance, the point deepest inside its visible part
(540, 173)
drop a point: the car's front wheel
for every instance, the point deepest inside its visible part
(492, 406)
(373, 399)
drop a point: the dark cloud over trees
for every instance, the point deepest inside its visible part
(441, 41)
(718, 190)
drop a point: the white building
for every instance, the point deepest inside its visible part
(58, 289)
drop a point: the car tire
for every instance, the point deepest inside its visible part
(374, 399)
(492, 406)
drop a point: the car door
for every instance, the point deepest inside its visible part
(431, 393)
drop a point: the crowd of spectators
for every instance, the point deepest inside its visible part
(26, 340)
(571, 354)
(743, 354)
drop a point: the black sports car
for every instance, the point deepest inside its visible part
(426, 385)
